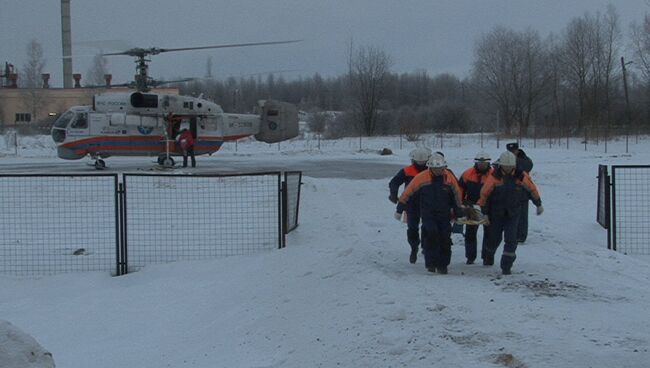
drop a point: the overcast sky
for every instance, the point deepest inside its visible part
(436, 36)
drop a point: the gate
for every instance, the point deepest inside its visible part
(188, 217)
(630, 209)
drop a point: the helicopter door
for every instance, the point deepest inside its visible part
(79, 126)
(193, 127)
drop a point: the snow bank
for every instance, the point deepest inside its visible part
(19, 350)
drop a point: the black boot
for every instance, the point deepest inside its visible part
(414, 256)
(488, 260)
(469, 261)
(506, 271)
(442, 270)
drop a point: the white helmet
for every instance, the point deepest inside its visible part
(482, 157)
(507, 158)
(420, 154)
(436, 161)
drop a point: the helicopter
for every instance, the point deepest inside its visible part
(144, 123)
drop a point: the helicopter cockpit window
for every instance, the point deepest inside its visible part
(81, 121)
(144, 100)
(63, 120)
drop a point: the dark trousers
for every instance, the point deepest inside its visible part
(503, 228)
(190, 152)
(522, 228)
(436, 243)
(412, 233)
(471, 242)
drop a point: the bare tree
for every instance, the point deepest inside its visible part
(97, 70)
(604, 37)
(368, 71)
(641, 46)
(318, 121)
(511, 69)
(30, 76)
(590, 52)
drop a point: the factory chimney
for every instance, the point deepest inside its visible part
(66, 37)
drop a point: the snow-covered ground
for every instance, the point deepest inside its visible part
(343, 293)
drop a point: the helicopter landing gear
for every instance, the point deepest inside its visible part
(166, 161)
(100, 164)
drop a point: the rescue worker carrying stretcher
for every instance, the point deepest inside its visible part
(437, 193)
(419, 158)
(500, 202)
(471, 182)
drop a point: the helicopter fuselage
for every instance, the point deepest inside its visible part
(145, 124)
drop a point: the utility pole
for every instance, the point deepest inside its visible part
(497, 129)
(628, 112)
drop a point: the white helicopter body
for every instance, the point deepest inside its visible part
(145, 124)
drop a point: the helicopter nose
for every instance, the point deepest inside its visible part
(68, 154)
(58, 135)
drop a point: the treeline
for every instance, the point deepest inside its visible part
(581, 81)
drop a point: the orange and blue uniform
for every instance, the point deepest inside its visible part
(437, 196)
(472, 182)
(404, 176)
(501, 201)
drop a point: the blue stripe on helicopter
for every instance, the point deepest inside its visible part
(134, 143)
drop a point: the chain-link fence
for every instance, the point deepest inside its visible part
(58, 223)
(630, 213)
(66, 223)
(183, 217)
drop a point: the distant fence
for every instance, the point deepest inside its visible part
(627, 208)
(62, 223)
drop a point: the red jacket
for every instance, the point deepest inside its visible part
(186, 140)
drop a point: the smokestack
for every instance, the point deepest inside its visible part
(77, 80)
(66, 37)
(13, 80)
(108, 78)
(46, 80)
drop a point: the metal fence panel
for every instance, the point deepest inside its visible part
(293, 179)
(603, 206)
(631, 209)
(189, 217)
(57, 223)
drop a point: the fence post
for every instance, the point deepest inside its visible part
(283, 206)
(608, 209)
(124, 248)
(118, 227)
(606, 135)
(613, 212)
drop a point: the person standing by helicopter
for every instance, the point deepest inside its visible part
(186, 142)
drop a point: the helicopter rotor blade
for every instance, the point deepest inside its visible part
(160, 83)
(230, 45)
(141, 52)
